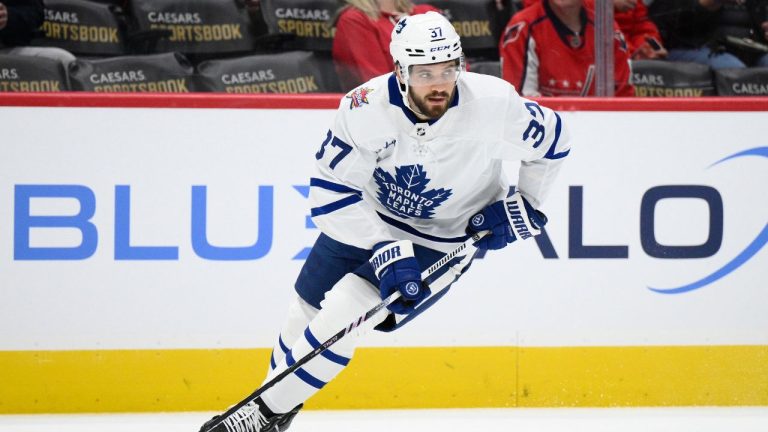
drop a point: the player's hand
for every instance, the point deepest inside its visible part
(397, 270)
(507, 220)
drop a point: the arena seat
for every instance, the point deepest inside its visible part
(194, 27)
(164, 73)
(304, 24)
(289, 72)
(742, 82)
(20, 73)
(83, 28)
(476, 22)
(657, 78)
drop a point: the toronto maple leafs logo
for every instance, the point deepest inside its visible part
(406, 193)
(359, 97)
(401, 25)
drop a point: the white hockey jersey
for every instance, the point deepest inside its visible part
(383, 174)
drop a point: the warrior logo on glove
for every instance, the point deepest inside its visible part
(398, 270)
(507, 220)
(385, 257)
(516, 218)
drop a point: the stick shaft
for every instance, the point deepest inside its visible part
(353, 325)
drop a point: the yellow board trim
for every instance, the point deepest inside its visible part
(435, 377)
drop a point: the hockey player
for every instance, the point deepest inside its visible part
(412, 163)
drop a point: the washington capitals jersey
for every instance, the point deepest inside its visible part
(541, 56)
(383, 174)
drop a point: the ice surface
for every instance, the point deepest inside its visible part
(743, 419)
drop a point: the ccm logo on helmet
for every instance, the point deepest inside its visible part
(440, 48)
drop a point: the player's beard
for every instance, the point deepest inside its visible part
(430, 110)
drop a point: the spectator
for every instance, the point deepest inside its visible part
(643, 38)
(632, 18)
(763, 61)
(741, 33)
(689, 30)
(19, 23)
(547, 49)
(363, 31)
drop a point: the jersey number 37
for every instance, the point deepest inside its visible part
(344, 149)
(535, 129)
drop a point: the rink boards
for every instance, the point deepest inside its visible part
(148, 247)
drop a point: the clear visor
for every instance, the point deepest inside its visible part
(433, 74)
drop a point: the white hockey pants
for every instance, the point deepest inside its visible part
(306, 328)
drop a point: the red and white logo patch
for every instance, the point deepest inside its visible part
(512, 32)
(359, 97)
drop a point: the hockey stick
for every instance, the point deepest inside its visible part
(249, 403)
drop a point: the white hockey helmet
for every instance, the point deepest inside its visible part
(423, 39)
